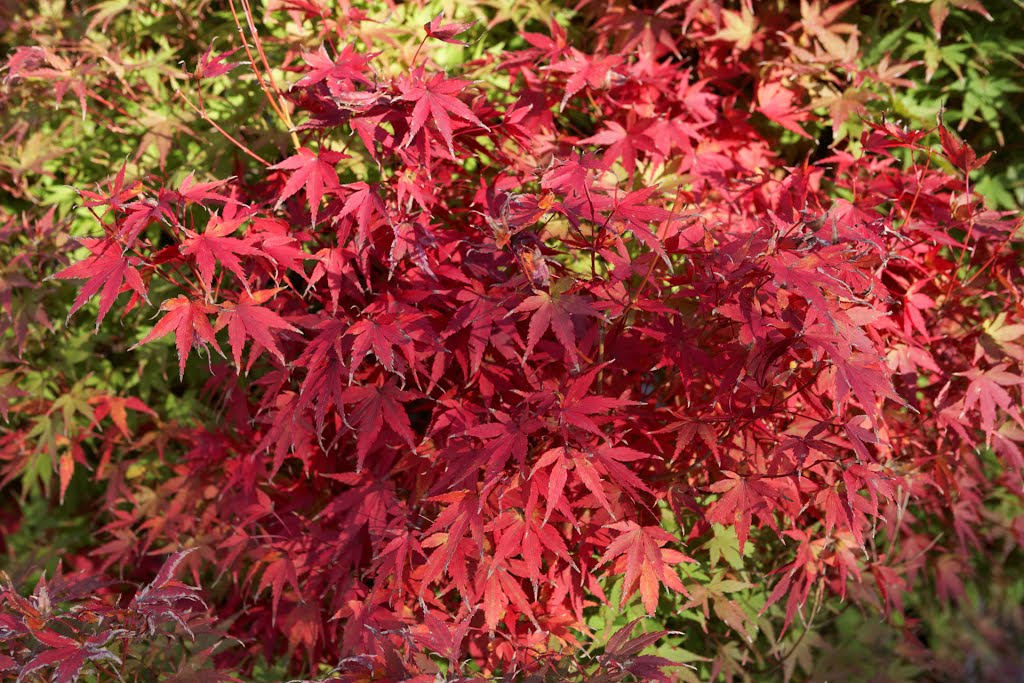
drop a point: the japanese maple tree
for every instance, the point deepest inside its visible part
(587, 324)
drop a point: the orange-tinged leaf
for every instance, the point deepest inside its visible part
(742, 498)
(249, 319)
(644, 561)
(188, 320)
(66, 467)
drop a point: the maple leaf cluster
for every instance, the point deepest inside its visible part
(97, 635)
(495, 357)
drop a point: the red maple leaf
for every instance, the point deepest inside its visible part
(214, 246)
(197, 193)
(959, 153)
(525, 535)
(435, 98)
(482, 315)
(843, 511)
(637, 214)
(555, 310)
(248, 318)
(341, 73)
(988, 391)
(644, 561)
(116, 196)
(314, 172)
(585, 70)
(742, 498)
(367, 208)
(624, 143)
(446, 32)
(165, 598)
(506, 437)
(578, 404)
(141, 213)
(500, 590)
(209, 66)
(375, 407)
(623, 653)
(279, 570)
(280, 246)
(108, 271)
(67, 656)
(187, 319)
(400, 553)
(381, 335)
(460, 521)
(778, 103)
(303, 626)
(867, 379)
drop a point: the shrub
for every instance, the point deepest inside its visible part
(454, 348)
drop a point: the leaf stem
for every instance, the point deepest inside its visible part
(416, 54)
(205, 117)
(271, 98)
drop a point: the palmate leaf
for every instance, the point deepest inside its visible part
(381, 335)
(989, 390)
(507, 437)
(643, 560)
(215, 246)
(197, 193)
(109, 271)
(116, 196)
(743, 497)
(188, 320)
(556, 311)
(165, 599)
(436, 28)
(249, 318)
(66, 658)
(366, 208)
(623, 652)
(585, 71)
(375, 407)
(780, 105)
(341, 73)
(210, 66)
(436, 99)
(459, 522)
(312, 172)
